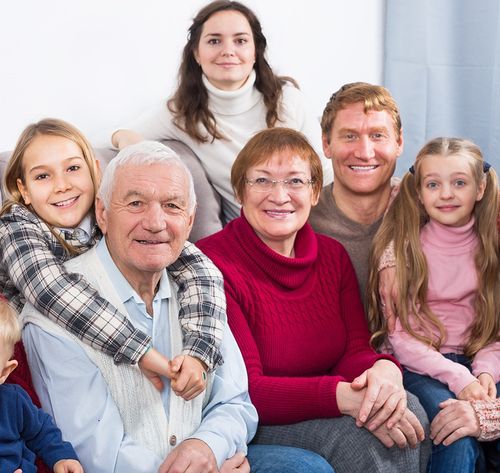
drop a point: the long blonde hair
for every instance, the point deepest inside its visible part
(15, 167)
(402, 224)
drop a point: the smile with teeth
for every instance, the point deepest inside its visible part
(150, 242)
(359, 167)
(65, 203)
(279, 213)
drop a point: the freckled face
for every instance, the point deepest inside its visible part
(226, 50)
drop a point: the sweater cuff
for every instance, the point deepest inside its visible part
(488, 414)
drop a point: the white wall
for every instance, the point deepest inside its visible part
(97, 63)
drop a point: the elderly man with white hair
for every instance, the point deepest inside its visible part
(112, 414)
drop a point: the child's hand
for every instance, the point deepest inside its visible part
(473, 391)
(68, 466)
(153, 364)
(191, 377)
(488, 383)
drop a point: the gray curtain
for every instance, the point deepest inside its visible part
(442, 65)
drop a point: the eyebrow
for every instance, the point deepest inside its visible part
(45, 166)
(220, 34)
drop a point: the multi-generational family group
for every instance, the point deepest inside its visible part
(318, 326)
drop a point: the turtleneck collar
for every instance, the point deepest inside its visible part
(444, 236)
(233, 102)
(290, 273)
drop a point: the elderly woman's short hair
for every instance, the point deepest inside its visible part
(143, 154)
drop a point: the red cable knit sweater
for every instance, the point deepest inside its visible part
(298, 321)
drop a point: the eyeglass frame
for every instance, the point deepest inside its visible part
(284, 183)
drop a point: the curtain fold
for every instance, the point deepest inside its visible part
(441, 64)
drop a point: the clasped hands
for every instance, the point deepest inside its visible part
(377, 400)
(187, 374)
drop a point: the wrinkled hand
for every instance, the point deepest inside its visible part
(384, 400)
(68, 466)
(456, 419)
(238, 463)
(388, 291)
(193, 456)
(153, 364)
(473, 391)
(407, 431)
(189, 376)
(488, 383)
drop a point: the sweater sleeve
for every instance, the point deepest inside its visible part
(280, 399)
(422, 359)
(487, 360)
(40, 433)
(65, 298)
(202, 305)
(153, 124)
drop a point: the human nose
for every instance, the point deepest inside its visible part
(365, 149)
(62, 183)
(227, 48)
(446, 191)
(154, 218)
(279, 193)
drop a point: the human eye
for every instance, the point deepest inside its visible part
(431, 185)
(460, 183)
(378, 135)
(41, 176)
(241, 41)
(74, 167)
(135, 204)
(295, 182)
(349, 136)
(213, 41)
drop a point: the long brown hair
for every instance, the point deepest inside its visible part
(401, 226)
(189, 104)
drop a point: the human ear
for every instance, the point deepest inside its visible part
(326, 146)
(9, 367)
(101, 215)
(401, 143)
(24, 193)
(480, 189)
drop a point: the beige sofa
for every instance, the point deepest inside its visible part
(208, 211)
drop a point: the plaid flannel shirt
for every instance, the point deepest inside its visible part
(31, 259)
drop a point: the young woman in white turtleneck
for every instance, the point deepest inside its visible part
(224, 71)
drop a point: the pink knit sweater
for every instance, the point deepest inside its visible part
(298, 321)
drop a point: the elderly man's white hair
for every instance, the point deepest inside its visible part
(143, 154)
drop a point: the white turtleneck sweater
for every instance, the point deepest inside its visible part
(451, 293)
(239, 115)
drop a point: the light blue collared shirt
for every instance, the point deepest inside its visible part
(72, 389)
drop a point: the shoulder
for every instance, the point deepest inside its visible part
(216, 246)
(17, 394)
(329, 245)
(19, 215)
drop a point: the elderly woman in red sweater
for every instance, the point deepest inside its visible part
(294, 307)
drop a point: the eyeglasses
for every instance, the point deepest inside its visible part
(263, 184)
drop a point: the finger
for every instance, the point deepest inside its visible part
(398, 413)
(360, 381)
(192, 391)
(398, 437)
(157, 383)
(368, 401)
(381, 415)
(447, 403)
(455, 435)
(409, 432)
(176, 363)
(446, 430)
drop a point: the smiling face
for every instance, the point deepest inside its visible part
(448, 190)
(148, 219)
(278, 214)
(226, 50)
(363, 148)
(57, 182)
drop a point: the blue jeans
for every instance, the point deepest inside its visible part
(462, 455)
(280, 459)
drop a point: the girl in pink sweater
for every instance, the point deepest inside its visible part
(443, 227)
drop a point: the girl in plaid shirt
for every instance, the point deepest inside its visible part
(50, 183)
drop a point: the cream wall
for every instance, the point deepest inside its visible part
(97, 63)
